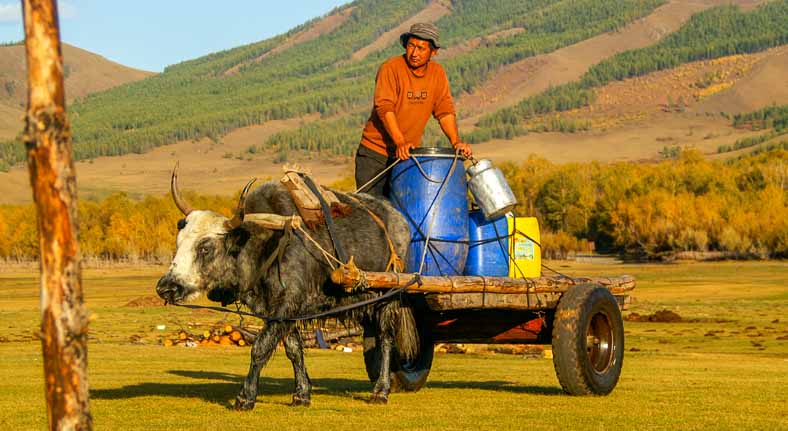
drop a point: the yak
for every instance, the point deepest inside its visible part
(279, 272)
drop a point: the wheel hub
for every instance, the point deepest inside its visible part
(599, 342)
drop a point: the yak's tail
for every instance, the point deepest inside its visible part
(399, 317)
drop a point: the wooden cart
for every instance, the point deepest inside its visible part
(580, 317)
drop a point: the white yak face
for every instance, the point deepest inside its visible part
(200, 247)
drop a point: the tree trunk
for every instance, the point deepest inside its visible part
(48, 141)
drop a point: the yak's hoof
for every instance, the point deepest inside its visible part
(242, 404)
(301, 401)
(378, 398)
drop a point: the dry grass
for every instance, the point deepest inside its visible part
(675, 376)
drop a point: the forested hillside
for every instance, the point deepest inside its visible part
(718, 32)
(200, 98)
(715, 33)
(84, 72)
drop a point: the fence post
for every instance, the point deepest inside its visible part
(64, 322)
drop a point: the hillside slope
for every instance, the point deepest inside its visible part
(530, 76)
(767, 84)
(289, 76)
(85, 73)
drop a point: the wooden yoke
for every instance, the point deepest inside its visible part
(273, 221)
(308, 204)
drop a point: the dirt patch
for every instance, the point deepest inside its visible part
(662, 316)
(319, 28)
(633, 141)
(10, 120)
(145, 301)
(470, 45)
(433, 12)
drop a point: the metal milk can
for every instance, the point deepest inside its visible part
(490, 189)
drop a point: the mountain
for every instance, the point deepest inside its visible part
(85, 73)
(571, 80)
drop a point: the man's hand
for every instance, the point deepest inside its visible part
(463, 148)
(403, 151)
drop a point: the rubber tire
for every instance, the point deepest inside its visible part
(406, 376)
(573, 317)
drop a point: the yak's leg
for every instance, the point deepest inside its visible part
(380, 392)
(262, 349)
(294, 348)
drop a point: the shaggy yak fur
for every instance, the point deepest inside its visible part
(218, 260)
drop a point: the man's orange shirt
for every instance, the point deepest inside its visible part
(412, 99)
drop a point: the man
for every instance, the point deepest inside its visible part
(409, 89)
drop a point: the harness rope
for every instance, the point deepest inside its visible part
(376, 177)
(438, 199)
(268, 319)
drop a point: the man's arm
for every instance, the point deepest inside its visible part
(449, 126)
(385, 104)
(392, 127)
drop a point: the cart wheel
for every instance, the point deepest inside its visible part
(588, 341)
(406, 375)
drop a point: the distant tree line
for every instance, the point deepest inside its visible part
(775, 116)
(655, 210)
(642, 210)
(116, 228)
(508, 123)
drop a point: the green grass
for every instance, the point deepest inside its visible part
(674, 377)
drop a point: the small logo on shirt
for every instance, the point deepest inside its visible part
(416, 96)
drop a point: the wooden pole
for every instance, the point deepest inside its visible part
(64, 320)
(349, 276)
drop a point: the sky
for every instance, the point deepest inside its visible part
(152, 34)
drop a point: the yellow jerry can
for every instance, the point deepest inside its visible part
(524, 247)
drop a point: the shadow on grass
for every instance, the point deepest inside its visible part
(496, 385)
(222, 393)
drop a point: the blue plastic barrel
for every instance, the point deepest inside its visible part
(489, 245)
(430, 196)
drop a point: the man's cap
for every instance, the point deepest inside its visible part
(421, 30)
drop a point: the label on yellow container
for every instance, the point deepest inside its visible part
(524, 247)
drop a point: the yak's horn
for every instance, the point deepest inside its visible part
(238, 218)
(181, 203)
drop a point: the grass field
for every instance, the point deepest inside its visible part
(725, 366)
